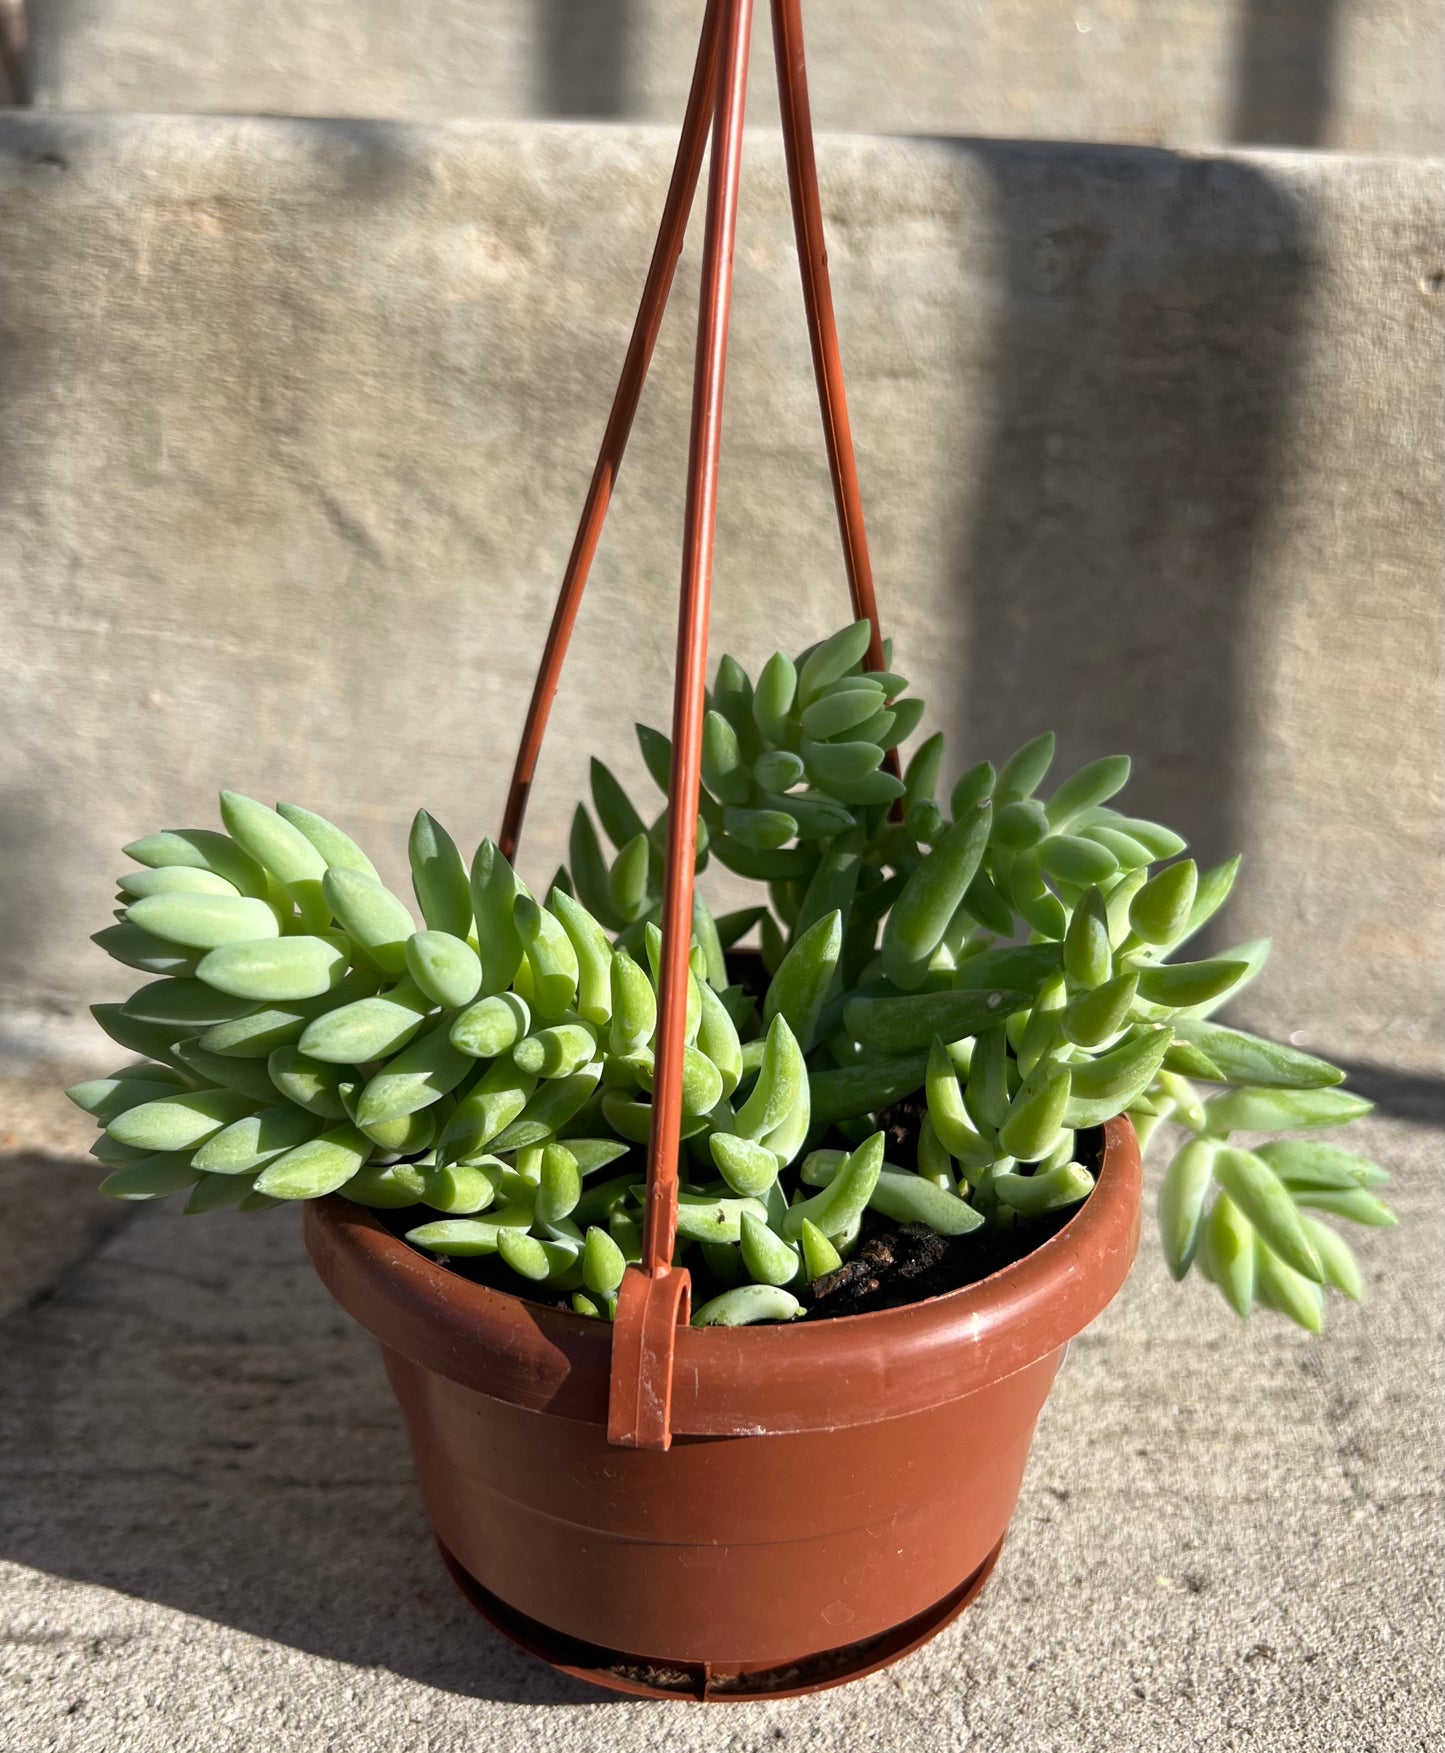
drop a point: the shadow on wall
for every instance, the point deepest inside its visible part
(1140, 370)
(60, 561)
(33, 843)
(587, 47)
(13, 86)
(32, 847)
(1284, 62)
(1284, 67)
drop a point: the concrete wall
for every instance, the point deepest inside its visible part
(1358, 75)
(296, 418)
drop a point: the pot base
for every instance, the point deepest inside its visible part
(712, 1682)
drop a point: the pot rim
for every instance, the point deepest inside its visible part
(735, 1381)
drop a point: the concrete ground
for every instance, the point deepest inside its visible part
(210, 1539)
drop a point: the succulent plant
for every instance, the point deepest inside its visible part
(1003, 962)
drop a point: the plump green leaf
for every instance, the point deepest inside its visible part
(931, 896)
(907, 1024)
(1282, 1110)
(1250, 1059)
(201, 849)
(1265, 1201)
(275, 970)
(747, 1304)
(178, 1122)
(320, 1166)
(252, 1141)
(338, 849)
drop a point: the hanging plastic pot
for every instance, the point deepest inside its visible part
(835, 1491)
(720, 1512)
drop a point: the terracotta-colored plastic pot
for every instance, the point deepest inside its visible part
(835, 1491)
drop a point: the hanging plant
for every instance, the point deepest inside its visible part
(957, 989)
(597, 1178)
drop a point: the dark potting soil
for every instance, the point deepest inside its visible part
(893, 1264)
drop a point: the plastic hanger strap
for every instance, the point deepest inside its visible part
(640, 1397)
(671, 231)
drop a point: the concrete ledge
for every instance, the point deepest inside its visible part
(297, 417)
(1358, 75)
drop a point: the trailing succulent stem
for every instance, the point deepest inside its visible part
(1002, 958)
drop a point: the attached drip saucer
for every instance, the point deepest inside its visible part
(713, 1682)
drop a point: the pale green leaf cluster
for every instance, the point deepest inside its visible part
(1004, 954)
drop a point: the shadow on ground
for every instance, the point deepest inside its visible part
(52, 1218)
(1414, 1096)
(190, 1420)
